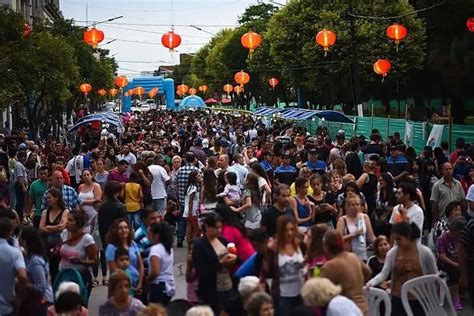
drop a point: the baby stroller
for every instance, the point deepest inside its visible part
(71, 275)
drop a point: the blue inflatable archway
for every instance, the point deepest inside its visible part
(165, 88)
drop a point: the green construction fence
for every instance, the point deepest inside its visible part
(387, 126)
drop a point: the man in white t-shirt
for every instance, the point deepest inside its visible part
(129, 157)
(470, 201)
(407, 210)
(240, 170)
(158, 191)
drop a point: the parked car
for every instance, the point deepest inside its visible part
(151, 103)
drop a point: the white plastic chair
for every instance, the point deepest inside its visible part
(431, 292)
(375, 298)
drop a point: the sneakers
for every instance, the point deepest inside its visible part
(179, 244)
(457, 304)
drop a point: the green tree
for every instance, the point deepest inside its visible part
(360, 42)
(450, 62)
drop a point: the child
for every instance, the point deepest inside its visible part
(191, 277)
(122, 260)
(448, 247)
(133, 198)
(59, 165)
(172, 213)
(191, 205)
(231, 189)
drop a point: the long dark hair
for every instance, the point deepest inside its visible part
(112, 235)
(163, 229)
(192, 178)
(252, 185)
(209, 183)
(257, 168)
(33, 242)
(316, 247)
(387, 177)
(230, 218)
(58, 194)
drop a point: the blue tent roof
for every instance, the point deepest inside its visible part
(266, 111)
(106, 117)
(303, 114)
(192, 101)
(334, 116)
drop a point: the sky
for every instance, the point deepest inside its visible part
(138, 34)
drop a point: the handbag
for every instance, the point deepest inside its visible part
(347, 244)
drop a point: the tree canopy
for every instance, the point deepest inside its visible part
(45, 69)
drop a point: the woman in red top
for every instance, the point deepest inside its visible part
(234, 232)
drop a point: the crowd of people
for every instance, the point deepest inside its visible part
(276, 220)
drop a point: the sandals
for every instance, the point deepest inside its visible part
(105, 282)
(95, 283)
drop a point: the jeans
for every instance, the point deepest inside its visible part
(286, 305)
(20, 200)
(181, 225)
(102, 263)
(11, 189)
(159, 205)
(399, 310)
(158, 294)
(135, 219)
(87, 279)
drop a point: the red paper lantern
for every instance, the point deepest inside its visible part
(171, 40)
(153, 92)
(238, 89)
(273, 82)
(192, 91)
(93, 37)
(203, 88)
(382, 67)
(179, 92)
(470, 24)
(95, 124)
(85, 88)
(26, 30)
(242, 77)
(397, 32)
(113, 92)
(251, 41)
(326, 39)
(139, 91)
(121, 82)
(228, 88)
(183, 89)
(101, 92)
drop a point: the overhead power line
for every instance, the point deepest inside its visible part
(367, 17)
(168, 24)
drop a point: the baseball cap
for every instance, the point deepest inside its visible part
(313, 152)
(393, 147)
(22, 146)
(198, 142)
(205, 143)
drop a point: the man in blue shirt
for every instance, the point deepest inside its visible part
(285, 173)
(314, 164)
(12, 266)
(267, 164)
(397, 164)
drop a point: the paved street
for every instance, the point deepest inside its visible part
(99, 294)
